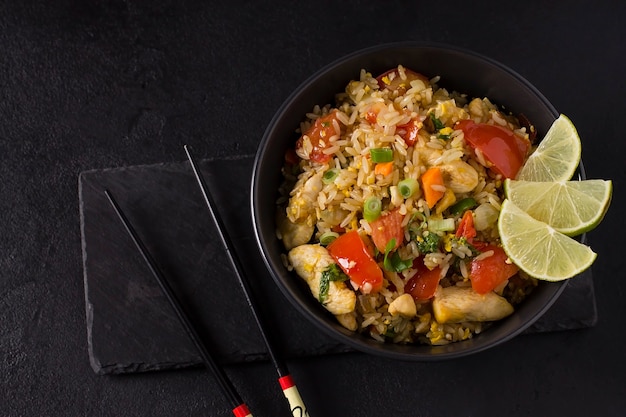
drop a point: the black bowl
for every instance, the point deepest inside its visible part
(460, 70)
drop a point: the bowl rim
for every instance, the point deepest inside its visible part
(392, 351)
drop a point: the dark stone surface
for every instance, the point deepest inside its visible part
(109, 83)
(130, 325)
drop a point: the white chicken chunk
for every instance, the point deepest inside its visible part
(303, 202)
(310, 261)
(348, 320)
(293, 234)
(460, 304)
(459, 176)
(403, 306)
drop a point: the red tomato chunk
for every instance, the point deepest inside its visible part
(319, 134)
(487, 273)
(356, 260)
(423, 284)
(387, 227)
(502, 148)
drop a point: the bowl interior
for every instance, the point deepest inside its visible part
(459, 70)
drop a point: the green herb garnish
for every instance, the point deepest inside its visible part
(392, 261)
(436, 122)
(332, 273)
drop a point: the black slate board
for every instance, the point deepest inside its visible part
(130, 325)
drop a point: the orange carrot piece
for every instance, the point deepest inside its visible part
(383, 168)
(429, 178)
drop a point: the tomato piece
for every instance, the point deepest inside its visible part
(319, 134)
(387, 227)
(371, 114)
(355, 258)
(291, 157)
(423, 284)
(487, 273)
(391, 80)
(408, 132)
(466, 227)
(479, 245)
(504, 150)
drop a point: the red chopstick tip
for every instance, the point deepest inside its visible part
(286, 382)
(241, 411)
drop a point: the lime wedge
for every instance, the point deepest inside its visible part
(538, 249)
(570, 207)
(557, 155)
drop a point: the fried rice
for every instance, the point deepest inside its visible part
(333, 174)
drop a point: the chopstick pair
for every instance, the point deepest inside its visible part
(239, 408)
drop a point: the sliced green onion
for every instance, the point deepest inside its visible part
(381, 155)
(372, 208)
(408, 187)
(462, 205)
(328, 237)
(441, 225)
(330, 175)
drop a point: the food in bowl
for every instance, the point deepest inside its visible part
(389, 208)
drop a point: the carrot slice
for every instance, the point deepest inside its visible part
(383, 168)
(429, 178)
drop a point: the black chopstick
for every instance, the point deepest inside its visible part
(284, 377)
(238, 406)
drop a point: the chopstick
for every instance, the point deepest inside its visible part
(240, 409)
(284, 377)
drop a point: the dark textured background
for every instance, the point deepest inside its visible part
(97, 84)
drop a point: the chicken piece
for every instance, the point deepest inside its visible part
(460, 304)
(293, 234)
(459, 176)
(429, 156)
(403, 306)
(310, 261)
(348, 320)
(303, 202)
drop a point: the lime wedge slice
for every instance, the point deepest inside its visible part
(557, 155)
(538, 249)
(570, 207)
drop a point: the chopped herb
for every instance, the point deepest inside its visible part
(332, 273)
(325, 124)
(445, 133)
(392, 261)
(436, 122)
(428, 243)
